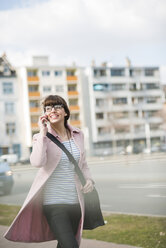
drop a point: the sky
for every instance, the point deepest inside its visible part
(80, 31)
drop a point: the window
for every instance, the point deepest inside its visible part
(72, 87)
(33, 88)
(74, 117)
(115, 87)
(17, 149)
(95, 72)
(117, 72)
(99, 72)
(32, 73)
(104, 130)
(34, 104)
(9, 108)
(152, 86)
(7, 88)
(141, 99)
(34, 119)
(122, 129)
(71, 73)
(6, 70)
(106, 144)
(59, 88)
(151, 113)
(137, 72)
(45, 73)
(46, 88)
(100, 102)
(154, 126)
(131, 72)
(135, 114)
(10, 128)
(102, 73)
(58, 73)
(149, 72)
(151, 100)
(118, 101)
(100, 87)
(133, 87)
(99, 116)
(73, 102)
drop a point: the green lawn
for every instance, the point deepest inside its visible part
(147, 232)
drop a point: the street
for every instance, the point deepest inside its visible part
(126, 184)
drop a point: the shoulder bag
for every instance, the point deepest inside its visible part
(93, 215)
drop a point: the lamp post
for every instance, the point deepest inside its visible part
(147, 135)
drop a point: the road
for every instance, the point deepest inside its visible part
(126, 184)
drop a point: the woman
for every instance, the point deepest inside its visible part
(54, 207)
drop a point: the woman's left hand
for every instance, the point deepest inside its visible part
(88, 187)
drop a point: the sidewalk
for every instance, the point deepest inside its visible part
(86, 243)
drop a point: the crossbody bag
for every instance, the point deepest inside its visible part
(93, 216)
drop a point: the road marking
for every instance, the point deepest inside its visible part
(123, 161)
(142, 186)
(157, 196)
(105, 205)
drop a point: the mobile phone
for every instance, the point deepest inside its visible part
(47, 120)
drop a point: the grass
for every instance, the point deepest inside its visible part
(141, 231)
(7, 214)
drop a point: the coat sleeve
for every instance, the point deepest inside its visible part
(85, 168)
(38, 157)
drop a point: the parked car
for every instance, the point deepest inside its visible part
(6, 177)
(12, 159)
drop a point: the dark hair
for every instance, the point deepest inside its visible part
(57, 100)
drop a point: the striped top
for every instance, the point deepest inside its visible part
(60, 187)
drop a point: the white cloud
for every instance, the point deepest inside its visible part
(81, 30)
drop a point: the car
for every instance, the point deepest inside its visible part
(12, 159)
(6, 177)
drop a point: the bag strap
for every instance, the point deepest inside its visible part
(69, 155)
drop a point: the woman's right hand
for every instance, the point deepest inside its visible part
(43, 124)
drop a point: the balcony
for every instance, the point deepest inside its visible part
(75, 123)
(72, 78)
(118, 136)
(34, 94)
(33, 79)
(72, 93)
(34, 126)
(34, 110)
(73, 108)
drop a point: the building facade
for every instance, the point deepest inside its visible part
(125, 104)
(11, 123)
(42, 80)
(119, 109)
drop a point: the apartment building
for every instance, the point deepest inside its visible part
(119, 108)
(42, 79)
(11, 111)
(124, 109)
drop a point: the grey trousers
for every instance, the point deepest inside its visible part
(63, 220)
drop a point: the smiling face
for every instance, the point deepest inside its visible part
(56, 108)
(55, 113)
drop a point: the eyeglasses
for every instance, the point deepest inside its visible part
(48, 109)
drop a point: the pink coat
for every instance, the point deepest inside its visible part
(30, 225)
